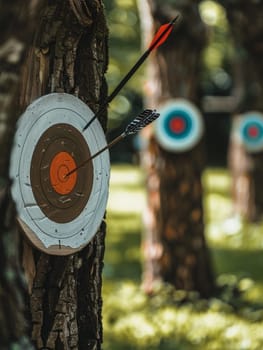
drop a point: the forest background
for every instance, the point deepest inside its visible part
(173, 319)
(60, 302)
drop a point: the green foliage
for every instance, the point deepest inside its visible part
(219, 53)
(173, 319)
(124, 51)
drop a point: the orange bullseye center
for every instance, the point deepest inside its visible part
(61, 164)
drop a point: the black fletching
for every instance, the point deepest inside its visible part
(142, 120)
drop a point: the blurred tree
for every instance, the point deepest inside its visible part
(216, 82)
(174, 246)
(217, 56)
(69, 54)
(17, 23)
(245, 20)
(124, 44)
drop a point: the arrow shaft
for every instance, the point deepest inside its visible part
(142, 120)
(140, 61)
(118, 88)
(81, 165)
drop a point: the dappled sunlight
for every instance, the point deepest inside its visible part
(126, 194)
(128, 296)
(137, 326)
(131, 318)
(217, 180)
(217, 201)
(135, 203)
(174, 319)
(220, 51)
(126, 175)
(212, 13)
(223, 227)
(255, 293)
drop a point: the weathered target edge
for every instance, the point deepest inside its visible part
(99, 190)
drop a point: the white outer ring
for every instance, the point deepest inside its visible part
(182, 145)
(39, 116)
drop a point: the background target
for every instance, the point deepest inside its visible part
(250, 131)
(180, 126)
(59, 214)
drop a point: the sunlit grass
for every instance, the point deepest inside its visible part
(133, 321)
(126, 191)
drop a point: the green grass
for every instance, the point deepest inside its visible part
(133, 321)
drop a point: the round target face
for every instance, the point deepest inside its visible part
(251, 131)
(180, 126)
(59, 214)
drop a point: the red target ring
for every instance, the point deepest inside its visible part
(60, 166)
(253, 131)
(177, 125)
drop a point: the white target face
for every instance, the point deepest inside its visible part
(60, 214)
(250, 131)
(180, 126)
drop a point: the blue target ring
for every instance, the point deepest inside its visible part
(180, 126)
(251, 131)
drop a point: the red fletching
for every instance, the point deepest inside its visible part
(161, 36)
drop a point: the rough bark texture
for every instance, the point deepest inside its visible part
(174, 243)
(69, 55)
(64, 293)
(245, 18)
(17, 22)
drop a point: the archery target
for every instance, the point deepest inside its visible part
(180, 126)
(250, 131)
(59, 214)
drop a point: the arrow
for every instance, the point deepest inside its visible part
(142, 120)
(159, 38)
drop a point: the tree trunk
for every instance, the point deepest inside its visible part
(69, 54)
(17, 22)
(245, 18)
(174, 244)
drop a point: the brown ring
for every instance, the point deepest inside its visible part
(60, 208)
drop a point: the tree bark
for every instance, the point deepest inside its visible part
(245, 19)
(17, 22)
(69, 54)
(174, 244)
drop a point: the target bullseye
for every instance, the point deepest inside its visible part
(180, 126)
(177, 125)
(249, 131)
(59, 214)
(61, 164)
(253, 131)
